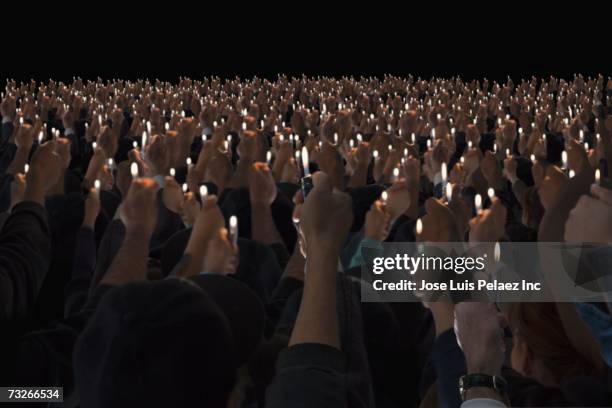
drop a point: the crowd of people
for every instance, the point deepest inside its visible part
(198, 244)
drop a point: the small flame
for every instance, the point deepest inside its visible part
(203, 191)
(478, 203)
(384, 196)
(449, 192)
(134, 170)
(305, 161)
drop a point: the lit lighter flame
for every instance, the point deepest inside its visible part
(572, 173)
(26, 168)
(375, 154)
(384, 196)
(188, 161)
(269, 157)
(564, 159)
(597, 176)
(203, 190)
(172, 171)
(444, 172)
(134, 170)
(449, 192)
(185, 187)
(478, 203)
(305, 161)
(491, 193)
(497, 252)
(97, 186)
(419, 226)
(233, 224)
(396, 173)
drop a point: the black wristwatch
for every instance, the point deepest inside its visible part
(494, 382)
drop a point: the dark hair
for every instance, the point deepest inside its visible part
(539, 325)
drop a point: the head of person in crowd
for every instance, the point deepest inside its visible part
(543, 350)
(175, 342)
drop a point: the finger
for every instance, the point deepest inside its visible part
(602, 193)
(322, 182)
(209, 201)
(435, 208)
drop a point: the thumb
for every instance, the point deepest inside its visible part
(322, 182)
(436, 209)
(602, 193)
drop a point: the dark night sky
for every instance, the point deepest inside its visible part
(487, 50)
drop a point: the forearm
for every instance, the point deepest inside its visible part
(25, 250)
(518, 189)
(413, 210)
(263, 227)
(193, 259)
(317, 320)
(130, 263)
(58, 187)
(240, 177)
(359, 177)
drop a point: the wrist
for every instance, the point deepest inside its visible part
(482, 366)
(35, 194)
(89, 221)
(138, 233)
(260, 206)
(321, 251)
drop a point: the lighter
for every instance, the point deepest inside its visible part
(306, 181)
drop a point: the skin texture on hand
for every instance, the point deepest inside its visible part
(138, 213)
(317, 320)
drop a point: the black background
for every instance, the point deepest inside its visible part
(519, 45)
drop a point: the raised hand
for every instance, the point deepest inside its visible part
(590, 219)
(377, 222)
(262, 188)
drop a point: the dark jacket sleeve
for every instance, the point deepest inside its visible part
(449, 362)
(309, 375)
(7, 154)
(109, 246)
(7, 131)
(168, 223)
(25, 250)
(77, 290)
